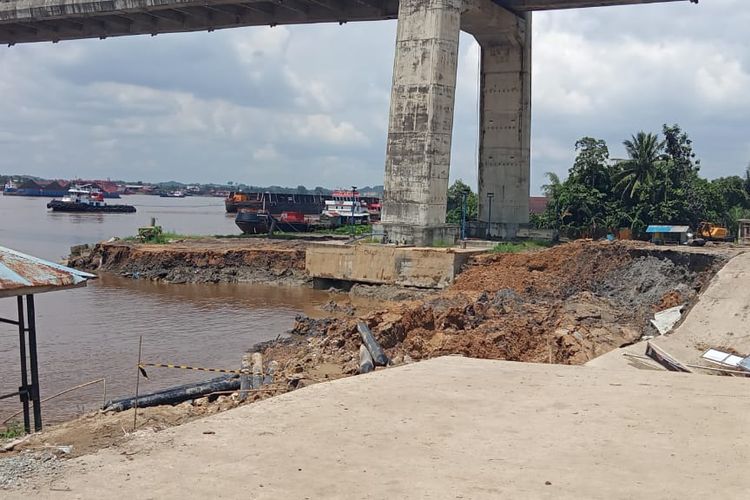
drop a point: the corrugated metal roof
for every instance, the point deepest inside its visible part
(667, 229)
(22, 274)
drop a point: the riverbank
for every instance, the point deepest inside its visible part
(563, 305)
(201, 260)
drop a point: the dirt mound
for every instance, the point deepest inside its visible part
(568, 304)
(557, 272)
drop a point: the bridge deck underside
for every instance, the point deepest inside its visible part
(24, 21)
(100, 19)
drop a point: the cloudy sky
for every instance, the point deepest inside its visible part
(309, 104)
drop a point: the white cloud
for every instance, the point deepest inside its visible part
(324, 128)
(266, 153)
(309, 104)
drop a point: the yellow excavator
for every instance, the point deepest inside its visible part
(708, 231)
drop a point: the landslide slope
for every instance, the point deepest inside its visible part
(567, 304)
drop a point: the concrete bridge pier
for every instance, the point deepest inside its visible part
(504, 116)
(421, 119)
(421, 123)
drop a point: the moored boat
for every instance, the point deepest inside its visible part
(253, 222)
(86, 200)
(345, 208)
(172, 194)
(261, 222)
(10, 187)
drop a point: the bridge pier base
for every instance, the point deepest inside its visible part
(421, 123)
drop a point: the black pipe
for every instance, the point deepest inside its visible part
(377, 353)
(178, 394)
(23, 390)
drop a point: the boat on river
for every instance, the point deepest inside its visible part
(262, 222)
(346, 207)
(172, 194)
(309, 204)
(83, 199)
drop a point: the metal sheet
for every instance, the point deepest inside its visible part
(667, 229)
(22, 274)
(722, 358)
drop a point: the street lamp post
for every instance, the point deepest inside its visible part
(463, 216)
(489, 215)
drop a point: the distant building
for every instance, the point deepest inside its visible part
(538, 204)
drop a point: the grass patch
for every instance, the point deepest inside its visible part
(356, 229)
(442, 244)
(520, 246)
(12, 430)
(168, 236)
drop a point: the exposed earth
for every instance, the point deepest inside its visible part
(564, 305)
(205, 260)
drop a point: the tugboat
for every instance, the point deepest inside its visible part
(346, 207)
(86, 200)
(10, 188)
(172, 194)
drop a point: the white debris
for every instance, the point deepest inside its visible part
(664, 320)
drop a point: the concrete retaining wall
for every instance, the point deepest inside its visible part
(385, 264)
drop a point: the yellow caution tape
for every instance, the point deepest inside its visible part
(186, 367)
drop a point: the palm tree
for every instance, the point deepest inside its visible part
(550, 190)
(644, 151)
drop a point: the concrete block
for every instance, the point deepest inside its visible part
(387, 264)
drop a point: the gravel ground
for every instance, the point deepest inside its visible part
(16, 470)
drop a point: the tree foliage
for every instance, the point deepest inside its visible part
(658, 183)
(455, 198)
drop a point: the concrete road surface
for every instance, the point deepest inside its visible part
(720, 319)
(448, 428)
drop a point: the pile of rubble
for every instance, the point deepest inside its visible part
(567, 304)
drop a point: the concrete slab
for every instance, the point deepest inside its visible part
(387, 264)
(448, 428)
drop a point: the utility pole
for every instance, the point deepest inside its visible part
(354, 197)
(489, 215)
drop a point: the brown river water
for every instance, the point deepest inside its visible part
(91, 333)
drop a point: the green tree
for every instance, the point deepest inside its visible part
(638, 171)
(455, 198)
(591, 166)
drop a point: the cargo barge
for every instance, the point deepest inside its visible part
(260, 222)
(306, 204)
(52, 189)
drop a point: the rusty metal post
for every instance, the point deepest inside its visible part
(24, 373)
(137, 381)
(35, 398)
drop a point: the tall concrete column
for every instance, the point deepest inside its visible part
(505, 115)
(421, 122)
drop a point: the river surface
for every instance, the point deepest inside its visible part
(92, 332)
